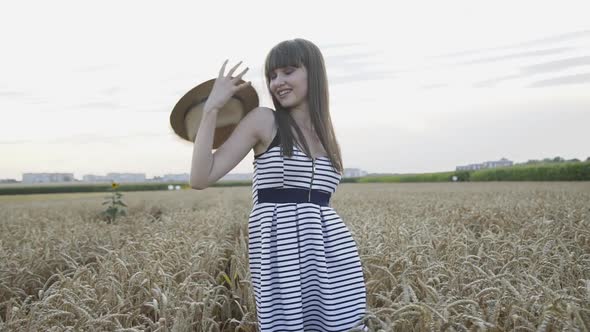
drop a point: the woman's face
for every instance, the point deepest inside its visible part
(289, 85)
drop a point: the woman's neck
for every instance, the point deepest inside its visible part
(300, 114)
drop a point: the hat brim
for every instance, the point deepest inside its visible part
(247, 97)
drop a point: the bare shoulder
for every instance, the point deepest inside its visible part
(263, 113)
(263, 119)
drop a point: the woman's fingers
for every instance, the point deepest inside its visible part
(234, 79)
(231, 71)
(239, 77)
(222, 70)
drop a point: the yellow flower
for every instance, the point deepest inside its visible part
(114, 185)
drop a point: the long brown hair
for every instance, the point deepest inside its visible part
(298, 52)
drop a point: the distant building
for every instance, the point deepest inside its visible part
(486, 164)
(127, 177)
(48, 177)
(353, 172)
(237, 177)
(470, 167)
(184, 177)
(499, 163)
(116, 177)
(95, 178)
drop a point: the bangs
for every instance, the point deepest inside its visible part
(285, 54)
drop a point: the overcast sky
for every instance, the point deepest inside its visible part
(88, 87)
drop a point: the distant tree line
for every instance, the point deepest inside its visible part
(551, 161)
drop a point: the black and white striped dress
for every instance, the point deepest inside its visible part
(305, 268)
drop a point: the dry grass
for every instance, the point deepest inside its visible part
(437, 257)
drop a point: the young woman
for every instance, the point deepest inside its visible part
(305, 268)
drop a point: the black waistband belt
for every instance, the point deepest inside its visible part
(293, 195)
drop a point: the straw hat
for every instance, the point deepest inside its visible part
(186, 114)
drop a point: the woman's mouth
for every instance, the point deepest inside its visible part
(283, 93)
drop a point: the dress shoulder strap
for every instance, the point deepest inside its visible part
(276, 140)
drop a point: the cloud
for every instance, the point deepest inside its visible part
(556, 65)
(340, 59)
(571, 79)
(560, 60)
(327, 46)
(87, 138)
(537, 42)
(23, 97)
(493, 81)
(111, 91)
(93, 68)
(361, 76)
(583, 34)
(8, 93)
(542, 68)
(363, 66)
(102, 105)
(19, 141)
(433, 86)
(516, 56)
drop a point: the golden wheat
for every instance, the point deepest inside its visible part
(436, 257)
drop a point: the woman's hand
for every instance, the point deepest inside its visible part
(225, 87)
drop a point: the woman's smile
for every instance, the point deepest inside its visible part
(284, 93)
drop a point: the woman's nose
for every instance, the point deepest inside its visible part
(278, 82)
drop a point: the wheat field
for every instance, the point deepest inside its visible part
(436, 257)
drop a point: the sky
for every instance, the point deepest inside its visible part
(88, 87)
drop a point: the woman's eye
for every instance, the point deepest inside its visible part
(286, 71)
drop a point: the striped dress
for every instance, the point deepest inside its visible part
(304, 264)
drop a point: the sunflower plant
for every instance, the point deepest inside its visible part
(116, 207)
